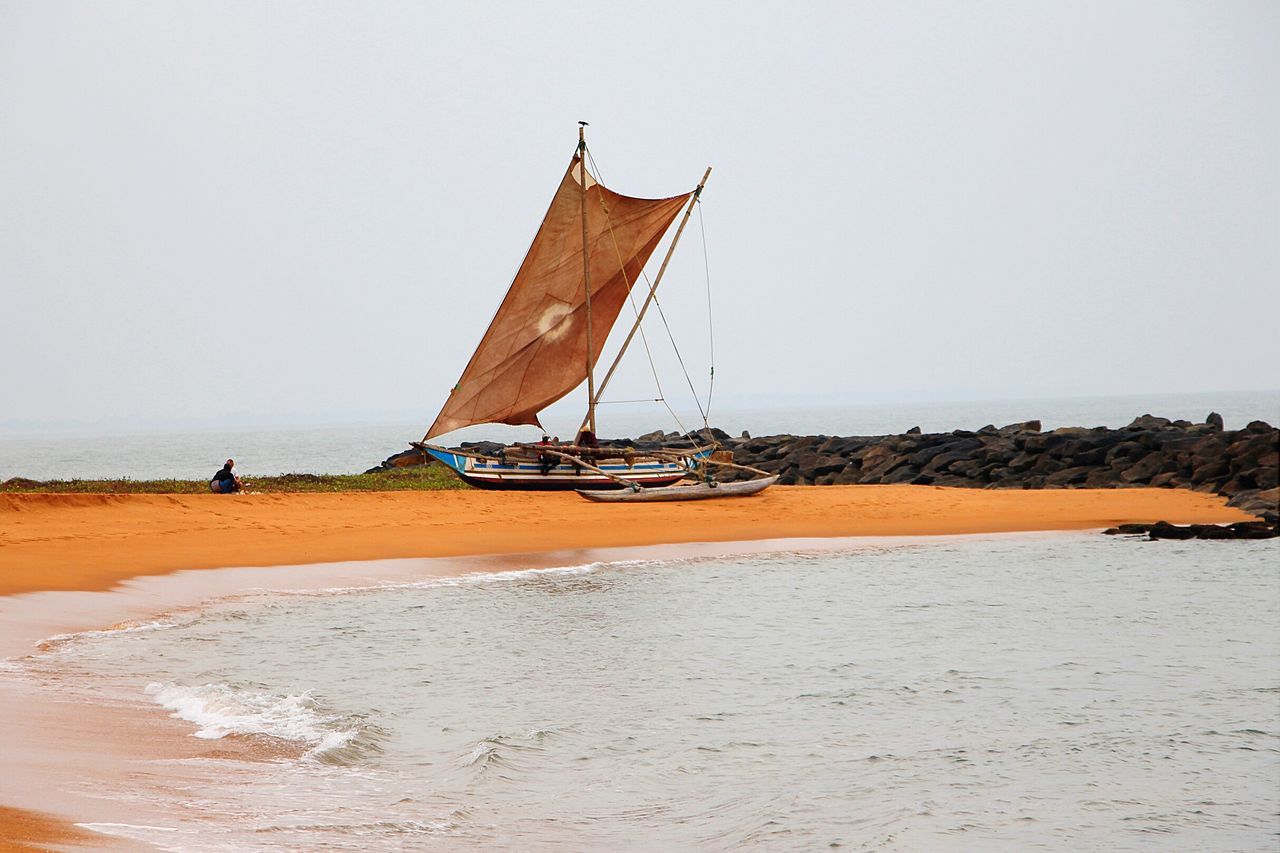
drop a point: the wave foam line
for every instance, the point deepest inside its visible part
(481, 577)
(219, 710)
(114, 630)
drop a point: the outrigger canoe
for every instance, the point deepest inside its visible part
(697, 492)
(544, 341)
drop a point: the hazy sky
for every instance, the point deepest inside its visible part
(311, 210)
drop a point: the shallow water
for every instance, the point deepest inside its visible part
(1019, 692)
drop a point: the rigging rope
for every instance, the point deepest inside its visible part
(654, 295)
(644, 339)
(711, 327)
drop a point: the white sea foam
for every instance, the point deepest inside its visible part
(481, 577)
(219, 710)
(115, 630)
(106, 826)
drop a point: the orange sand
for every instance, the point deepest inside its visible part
(91, 542)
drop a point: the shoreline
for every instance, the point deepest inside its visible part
(95, 541)
(72, 563)
(60, 746)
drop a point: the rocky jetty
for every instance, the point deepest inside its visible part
(1165, 530)
(1240, 464)
(1151, 451)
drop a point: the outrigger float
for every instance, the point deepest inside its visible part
(546, 339)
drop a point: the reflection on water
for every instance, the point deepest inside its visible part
(1067, 691)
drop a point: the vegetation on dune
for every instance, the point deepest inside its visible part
(422, 478)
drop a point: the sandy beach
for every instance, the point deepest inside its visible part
(93, 543)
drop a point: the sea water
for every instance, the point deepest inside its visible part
(1042, 691)
(353, 448)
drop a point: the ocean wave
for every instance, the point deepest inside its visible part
(220, 710)
(474, 578)
(58, 640)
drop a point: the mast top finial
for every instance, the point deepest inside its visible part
(584, 123)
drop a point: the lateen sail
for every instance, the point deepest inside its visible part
(535, 350)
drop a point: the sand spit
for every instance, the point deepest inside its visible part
(92, 542)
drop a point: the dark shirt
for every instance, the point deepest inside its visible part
(225, 474)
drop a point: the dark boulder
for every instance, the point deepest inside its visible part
(1209, 471)
(1263, 503)
(1025, 426)
(404, 459)
(903, 474)
(942, 462)
(1165, 530)
(1102, 478)
(1068, 477)
(1146, 422)
(1214, 420)
(1145, 468)
(814, 465)
(1123, 452)
(967, 468)
(1128, 529)
(880, 460)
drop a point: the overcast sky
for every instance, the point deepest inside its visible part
(310, 211)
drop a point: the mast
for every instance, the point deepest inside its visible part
(586, 275)
(653, 289)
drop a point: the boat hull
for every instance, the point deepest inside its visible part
(697, 492)
(525, 476)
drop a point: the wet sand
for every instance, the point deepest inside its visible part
(28, 830)
(52, 543)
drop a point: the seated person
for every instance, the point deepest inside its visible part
(225, 482)
(545, 460)
(588, 444)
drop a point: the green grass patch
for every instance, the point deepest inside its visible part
(420, 478)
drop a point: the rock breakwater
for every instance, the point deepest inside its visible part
(1151, 451)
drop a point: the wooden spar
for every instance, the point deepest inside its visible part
(606, 451)
(586, 276)
(541, 448)
(653, 289)
(736, 465)
(667, 454)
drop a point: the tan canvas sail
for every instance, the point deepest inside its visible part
(535, 350)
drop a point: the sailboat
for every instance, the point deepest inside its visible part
(548, 335)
